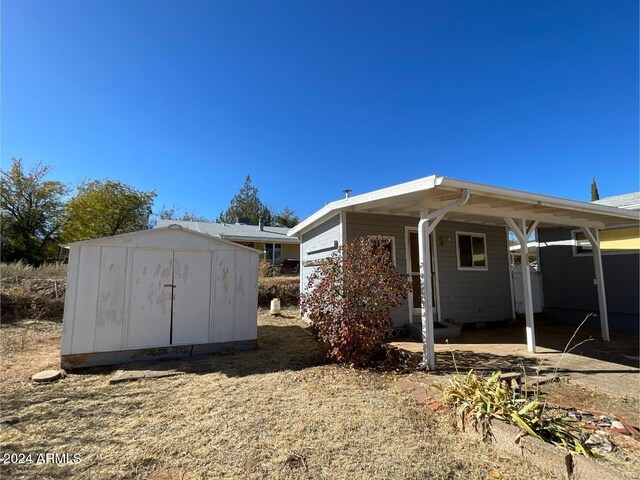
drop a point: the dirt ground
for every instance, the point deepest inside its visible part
(276, 412)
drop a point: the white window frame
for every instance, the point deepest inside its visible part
(486, 255)
(393, 245)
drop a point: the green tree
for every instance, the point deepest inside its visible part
(105, 208)
(286, 218)
(246, 204)
(32, 212)
(594, 191)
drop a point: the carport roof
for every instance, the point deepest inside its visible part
(487, 205)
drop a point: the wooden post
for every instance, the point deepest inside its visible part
(428, 341)
(523, 233)
(594, 240)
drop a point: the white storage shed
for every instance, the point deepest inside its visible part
(166, 292)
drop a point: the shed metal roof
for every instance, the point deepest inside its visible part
(130, 238)
(235, 232)
(487, 205)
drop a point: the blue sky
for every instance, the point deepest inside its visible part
(309, 98)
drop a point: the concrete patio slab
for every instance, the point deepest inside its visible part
(611, 367)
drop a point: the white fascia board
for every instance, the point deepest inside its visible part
(538, 199)
(422, 184)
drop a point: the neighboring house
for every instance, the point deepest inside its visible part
(568, 272)
(272, 241)
(461, 274)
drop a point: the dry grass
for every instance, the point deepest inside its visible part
(271, 413)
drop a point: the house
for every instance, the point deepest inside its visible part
(272, 241)
(166, 292)
(451, 238)
(565, 259)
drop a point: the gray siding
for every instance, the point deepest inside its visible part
(316, 244)
(465, 296)
(473, 296)
(568, 289)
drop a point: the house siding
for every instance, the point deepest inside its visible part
(465, 296)
(569, 291)
(473, 296)
(316, 244)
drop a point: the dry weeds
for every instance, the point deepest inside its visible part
(271, 413)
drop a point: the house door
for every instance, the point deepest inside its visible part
(414, 267)
(169, 298)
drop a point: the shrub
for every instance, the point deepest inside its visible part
(350, 298)
(287, 289)
(28, 292)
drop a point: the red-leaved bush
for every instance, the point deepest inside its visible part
(350, 297)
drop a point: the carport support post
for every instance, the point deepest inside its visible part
(523, 233)
(424, 249)
(594, 240)
(427, 224)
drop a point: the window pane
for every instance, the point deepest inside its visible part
(582, 244)
(478, 252)
(417, 295)
(413, 245)
(464, 246)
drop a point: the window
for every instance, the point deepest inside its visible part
(614, 241)
(387, 242)
(471, 251)
(273, 255)
(582, 246)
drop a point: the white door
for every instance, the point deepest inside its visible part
(192, 297)
(518, 289)
(149, 316)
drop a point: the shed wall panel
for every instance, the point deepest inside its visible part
(68, 321)
(86, 300)
(245, 309)
(192, 280)
(110, 314)
(224, 307)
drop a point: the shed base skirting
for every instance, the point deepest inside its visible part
(96, 359)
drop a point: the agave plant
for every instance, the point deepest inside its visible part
(480, 399)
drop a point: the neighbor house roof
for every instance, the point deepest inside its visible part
(487, 204)
(235, 232)
(629, 201)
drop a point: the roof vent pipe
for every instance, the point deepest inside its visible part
(347, 193)
(260, 225)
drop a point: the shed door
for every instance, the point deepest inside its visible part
(192, 297)
(149, 322)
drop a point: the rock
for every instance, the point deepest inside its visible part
(46, 376)
(599, 443)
